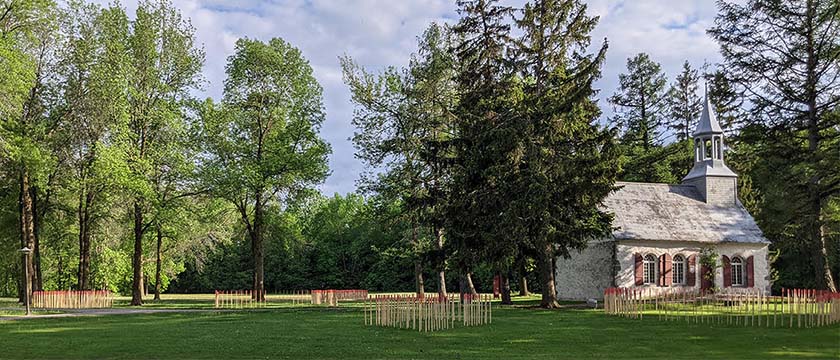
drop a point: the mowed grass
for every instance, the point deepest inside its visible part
(319, 332)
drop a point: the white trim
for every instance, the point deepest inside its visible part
(737, 274)
(682, 265)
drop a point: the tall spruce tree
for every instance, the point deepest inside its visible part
(640, 102)
(684, 103)
(640, 108)
(565, 164)
(784, 55)
(484, 130)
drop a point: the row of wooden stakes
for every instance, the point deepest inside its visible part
(331, 296)
(238, 299)
(72, 299)
(242, 299)
(428, 313)
(748, 307)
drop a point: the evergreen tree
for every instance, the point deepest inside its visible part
(484, 130)
(784, 55)
(640, 102)
(564, 164)
(683, 103)
(727, 101)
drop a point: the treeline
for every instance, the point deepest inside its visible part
(113, 174)
(486, 153)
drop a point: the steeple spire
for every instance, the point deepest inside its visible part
(710, 175)
(708, 123)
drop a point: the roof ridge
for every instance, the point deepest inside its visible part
(652, 183)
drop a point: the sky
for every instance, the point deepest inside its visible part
(380, 33)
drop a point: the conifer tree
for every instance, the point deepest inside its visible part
(684, 103)
(640, 102)
(484, 130)
(784, 55)
(405, 125)
(564, 163)
(727, 100)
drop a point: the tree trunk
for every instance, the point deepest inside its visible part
(36, 249)
(137, 260)
(442, 262)
(506, 289)
(546, 269)
(470, 285)
(418, 279)
(85, 200)
(158, 263)
(259, 256)
(27, 231)
(826, 267)
(523, 280)
(818, 232)
(21, 280)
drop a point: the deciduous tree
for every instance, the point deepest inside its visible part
(262, 142)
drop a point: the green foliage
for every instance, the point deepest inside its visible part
(262, 146)
(641, 102)
(784, 56)
(709, 259)
(337, 242)
(684, 104)
(661, 164)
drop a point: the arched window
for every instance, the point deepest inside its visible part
(737, 271)
(707, 149)
(678, 269)
(650, 269)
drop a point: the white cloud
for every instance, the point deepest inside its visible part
(380, 33)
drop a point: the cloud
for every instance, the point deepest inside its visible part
(670, 31)
(379, 33)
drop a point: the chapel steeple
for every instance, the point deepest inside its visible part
(710, 175)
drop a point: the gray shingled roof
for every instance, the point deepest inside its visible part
(645, 211)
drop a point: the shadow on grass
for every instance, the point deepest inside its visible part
(316, 332)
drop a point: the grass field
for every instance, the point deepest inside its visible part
(318, 332)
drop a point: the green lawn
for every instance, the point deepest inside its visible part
(306, 332)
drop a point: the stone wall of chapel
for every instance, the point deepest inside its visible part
(586, 274)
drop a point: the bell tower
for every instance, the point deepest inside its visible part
(716, 182)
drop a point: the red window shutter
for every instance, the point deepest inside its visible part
(750, 277)
(669, 265)
(691, 274)
(727, 272)
(638, 270)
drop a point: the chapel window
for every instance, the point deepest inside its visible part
(650, 269)
(678, 270)
(737, 271)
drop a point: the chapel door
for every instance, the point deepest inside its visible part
(706, 277)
